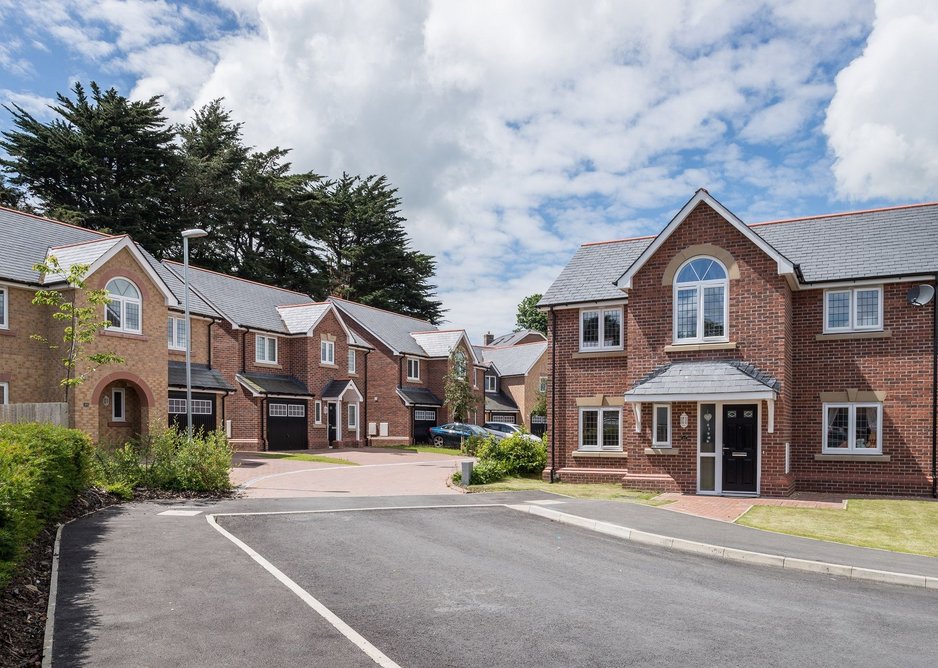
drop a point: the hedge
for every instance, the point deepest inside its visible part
(42, 468)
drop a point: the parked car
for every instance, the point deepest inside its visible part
(505, 429)
(454, 433)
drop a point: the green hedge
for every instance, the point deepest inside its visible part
(42, 468)
(515, 455)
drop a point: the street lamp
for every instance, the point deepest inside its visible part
(186, 235)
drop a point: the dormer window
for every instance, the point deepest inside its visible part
(123, 310)
(601, 329)
(701, 301)
(490, 384)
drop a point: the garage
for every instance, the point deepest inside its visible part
(424, 418)
(287, 422)
(425, 407)
(209, 389)
(203, 411)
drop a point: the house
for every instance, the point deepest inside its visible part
(513, 339)
(718, 357)
(515, 377)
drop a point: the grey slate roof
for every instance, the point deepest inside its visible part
(418, 396)
(247, 303)
(496, 401)
(203, 378)
(516, 360)
(514, 337)
(26, 239)
(175, 284)
(703, 378)
(334, 389)
(262, 383)
(864, 244)
(392, 328)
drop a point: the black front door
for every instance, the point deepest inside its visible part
(331, 413)
(740, 456)
(286, 424)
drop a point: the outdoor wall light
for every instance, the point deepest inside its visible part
(684, 421)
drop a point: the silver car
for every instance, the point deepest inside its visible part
(505, 429)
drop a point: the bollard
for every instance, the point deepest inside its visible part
(466, 474)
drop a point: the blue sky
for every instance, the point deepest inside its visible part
(517, 130)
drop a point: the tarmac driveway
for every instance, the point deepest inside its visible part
(379, 472)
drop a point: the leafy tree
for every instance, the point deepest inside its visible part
(81, 316)
(457, 391)
(104, 162)
(528, 317)
(11, 197)
(540, 404)
(364, 253)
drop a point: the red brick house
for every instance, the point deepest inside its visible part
(723, 358)
(515, 375)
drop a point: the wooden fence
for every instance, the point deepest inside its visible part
(55, 413)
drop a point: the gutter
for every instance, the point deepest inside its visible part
(553, 395)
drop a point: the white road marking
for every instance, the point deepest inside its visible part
(181, 513)
(357, 639)
(344, 467)
(546, 502)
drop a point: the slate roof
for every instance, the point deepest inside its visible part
(392, 328)
(418, 396)
(299, 318)
(496, 401)
(203, 378)
(85, 252)
(703, 378)
(516, 360)
(515, 337)
(262, 383)
(246, 303)
(334, 389)
(26, 239)
(898, 241)
(196, 305)
(438, 343)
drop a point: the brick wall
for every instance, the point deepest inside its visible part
(30, 367)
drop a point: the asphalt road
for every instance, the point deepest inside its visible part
(493, 587)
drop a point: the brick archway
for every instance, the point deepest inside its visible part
(146, 394)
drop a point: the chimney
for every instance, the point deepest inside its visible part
(487, 339)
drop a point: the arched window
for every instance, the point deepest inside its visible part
(123, 309)
(701, 301)
(459, 362)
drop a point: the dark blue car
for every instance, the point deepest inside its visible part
(454, 433)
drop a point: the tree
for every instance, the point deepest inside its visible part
(528, 317)
(82, 321)
(104, 162)
(364, 252)
(457, 391)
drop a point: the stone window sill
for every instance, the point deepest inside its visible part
(268, 365)
(846, 336)
(852, 458)
(326, 365)
(661, 451)
(125, 335)
(696, 347)
(583, 355)
(6, 332)
(601, 453)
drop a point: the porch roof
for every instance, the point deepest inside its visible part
(702, 381)
(262, 384)
(203, 377)
(418, 396)
(496, 401)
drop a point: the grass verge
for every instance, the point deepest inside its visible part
(897, 525)
(303, 457)
(603, 491)
(425, 449)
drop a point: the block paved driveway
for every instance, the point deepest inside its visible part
(361, 582)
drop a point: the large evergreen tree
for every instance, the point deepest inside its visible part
(103, 162)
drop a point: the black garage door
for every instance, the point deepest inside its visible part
(423, 420)
(203, 411)
(286, 424)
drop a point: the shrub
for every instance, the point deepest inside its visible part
(470, 446)
(518, 454)
(42, 468)
(487, 471)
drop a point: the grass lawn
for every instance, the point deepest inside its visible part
(303, 457)
(425, 448)
(901, 526)
(604, 491)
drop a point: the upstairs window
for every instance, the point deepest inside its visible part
(413, 368)
(601, 329)
(853, 310)
(327, 352)
(176, 333)
(459, 360)
(352, 360)
(542, 384)
(701, 302)
(4, 316)
(123, 308)
(265, 349)
(490, 384)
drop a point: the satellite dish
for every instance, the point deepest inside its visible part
(919, 295)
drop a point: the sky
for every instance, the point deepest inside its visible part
(515, 130)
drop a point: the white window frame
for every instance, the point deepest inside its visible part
(851, 448)
(852, 308)
(424, 415)
(327, 352)
(601, 343)
(600, 446)
(654, 426)
(267, 339)
(277, 410)
(6, 393)
(493, 386)
(352, 361)
(5, 308)
(296, 410)
(413, 363)
(123, 302)
(175, 344)
(542, 384)
(507, 418)
(123, 416)
(317, 412)
(700, 287)
(352, 417)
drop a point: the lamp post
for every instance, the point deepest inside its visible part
(186, 235)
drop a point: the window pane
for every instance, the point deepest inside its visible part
(838, 309)
(867, 424)
(867, 308)
(260, 348)
(271, 349)
(351, 361)
(687, 313)
(118, 399)
(3, 393)
(590, 329)
(612, 328)
(708, 425)
(688, 274)
(838, 426)
(714, 272)
(169, 333)
(113, 313)
(3, 307)
(713, 311)
(610, 430)
(590, 429)
(661, 424)
(181, 332)
(707, 474)
(132, 313)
